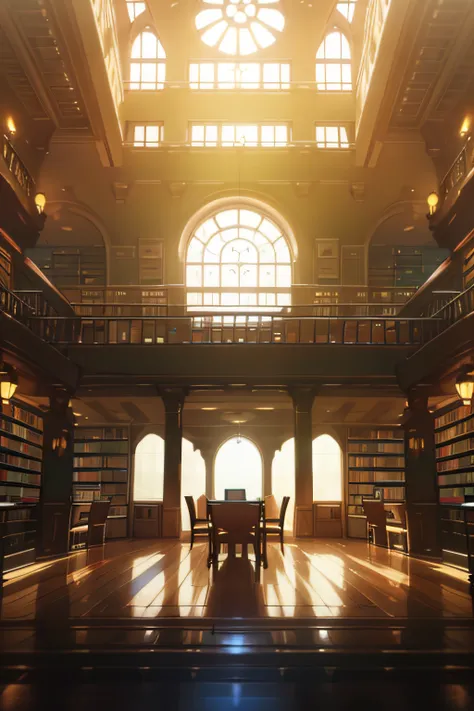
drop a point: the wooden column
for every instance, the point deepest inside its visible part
(303, 398)
(423, 516)
(173, 400)
(56, 488)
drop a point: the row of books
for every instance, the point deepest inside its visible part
(103, 462)
(101, 447)
(461, 479)
(353, 510)
(101, 433)
(113, 489)
(22, 415)
(86, 495)
(21, 514)
(376, 447)
(461, 428)
(458, 463)
(377, 462)
(8, 427)
(8, 475)
(453, 416)
(18, 461)
(94, 476)
(16, 446)
(19, 493)
(371, 476)
(392, 493)
(375, 434)
(455, 494)
(451, 450)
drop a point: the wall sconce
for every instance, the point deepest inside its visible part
(416, 444)
(59, 444)
(11, 128)
(433, 200)
(8, 382)
(465, 385)
(466, 126)
(40, 202)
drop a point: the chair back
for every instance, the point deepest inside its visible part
(235, 495)
(271, 507)
(191, 508)
(238, 521)
(201, 506)
(98, 513)
(284, 505)
(377, 518)
(399, 512)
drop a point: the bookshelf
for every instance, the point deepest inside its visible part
(375, 459)
(70, 267)
(101, 470)
(454, 437)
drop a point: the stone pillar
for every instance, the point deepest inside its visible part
(303, 398)
(268, 452)
(173, 400)
(56, 489)
(208, 456)
(423, 516)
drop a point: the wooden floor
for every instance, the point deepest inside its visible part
(314, 579)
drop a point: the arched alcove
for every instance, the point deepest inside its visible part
(327, 469)
(238, 465)
(283, 479)
(193, 479)
(149, 469)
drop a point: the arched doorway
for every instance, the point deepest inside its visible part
(238, 465)
(149, 469)
(327, 469)
(238, 256)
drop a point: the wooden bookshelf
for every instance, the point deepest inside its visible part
(18, 526)
(70, 267)
(101, 470)
(375, 459)
(454, 437)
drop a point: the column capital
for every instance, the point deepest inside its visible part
(173, 398)
(303, 397)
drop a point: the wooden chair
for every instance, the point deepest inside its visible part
(276, 526)
(199, 526)
(397, 524)
(376, 522)
(95, 526)
(235, 495)
(234, 523)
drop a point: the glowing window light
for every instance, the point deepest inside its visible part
(327, 469)
(238, 465)
(347, 8)
(148, 65)
(333, 63)
(135, 9)
(149, 469)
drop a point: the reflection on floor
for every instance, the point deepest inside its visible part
(314, 579)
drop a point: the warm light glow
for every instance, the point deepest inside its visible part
(347, 8)
(466, 126)
(237, 75)
(8, 382)
(283, 479)
(135, 9)
(193, 479)
(11, 125)
(238, 465)
(209, 409)
(149, 469)
(433, 200)
(238, 258)
(148, 65)
(147, 136)
(231, 135)
(40, 202)
(333, 63)
(327, 469)
(240, 28)
(331, 137)
(465, 387)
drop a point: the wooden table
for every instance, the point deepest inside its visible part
(261, 503)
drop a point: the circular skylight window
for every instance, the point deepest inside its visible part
(240, 27)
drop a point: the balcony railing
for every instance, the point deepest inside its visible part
(17, 168)
(456, 174)
(15, 306)
(208, 328)
(462, 305)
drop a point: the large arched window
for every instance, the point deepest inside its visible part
(283, 479)
(238, 465)
(240, 258)
(327, 469)
(193, 479)
(149, 468)
(148, 62)
(333, 63)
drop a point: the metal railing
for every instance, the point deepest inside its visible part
(462, 305)
(236, 328)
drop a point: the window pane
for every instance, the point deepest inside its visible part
(193, 275)
(211, 135)
(226, 75)
(267, 275)
(228, 135)
(211, 275)
(230, 275)
(149, 467)
(283, 276)
(149, 46)
(197, 134)
(249, 76)
(152, 134)
(139, 135)
(268, 135)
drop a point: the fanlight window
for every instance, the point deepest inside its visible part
(238, 258)
(333, 63)
(240, 27)
(148, 62)
(347, 8)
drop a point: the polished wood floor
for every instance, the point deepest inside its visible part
(313, 579)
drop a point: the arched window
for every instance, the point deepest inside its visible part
(149, 468)
(238, 465)
(238, 258)
(135, 8)
(148, 62)
(327, 469)
(193, 479)
(347, 8)
(283, 479)
(333, 63)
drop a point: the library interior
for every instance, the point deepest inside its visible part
(236, 354)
